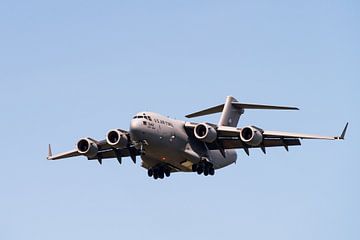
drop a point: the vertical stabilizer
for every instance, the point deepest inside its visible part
(230, 114)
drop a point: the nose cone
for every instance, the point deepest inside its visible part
(135, 129)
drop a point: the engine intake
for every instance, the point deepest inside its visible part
(206, 133)
(87, 147)
(116, 138)
(251, 136)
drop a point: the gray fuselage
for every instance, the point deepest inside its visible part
(166, 141)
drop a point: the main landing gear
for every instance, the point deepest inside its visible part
(159, 172)
(204, 167)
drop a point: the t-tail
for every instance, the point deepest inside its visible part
(231, 111)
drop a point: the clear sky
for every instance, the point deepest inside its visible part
(70, 69)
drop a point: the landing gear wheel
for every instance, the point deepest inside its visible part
(155, 174)
(167, 173)
(150, 172)
(212, 171)
(161, 174)
(199, 170)
(194, 167)
(206, 171)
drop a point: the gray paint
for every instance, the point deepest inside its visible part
(167, 141)
(171, 145)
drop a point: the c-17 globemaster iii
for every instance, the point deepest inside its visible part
(167, 145)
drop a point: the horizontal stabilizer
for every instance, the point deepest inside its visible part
(207, 111)
(239, 106)
(259, 106)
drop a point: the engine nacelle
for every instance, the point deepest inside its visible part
(87, 147)
(204, 132)
(251, 136)
(116, 138)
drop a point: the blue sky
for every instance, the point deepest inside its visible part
(70, 69)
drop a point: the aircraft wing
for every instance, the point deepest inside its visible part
(229, 138)
(68, 154)
(103, 151)
(118, 154)
(102, 145)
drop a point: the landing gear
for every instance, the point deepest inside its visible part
(150, 172)
(200, 168)
(204, 167)
(167, 172)
(206, 171)
(159, 172)
(211, 171)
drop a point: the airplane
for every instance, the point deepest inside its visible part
(168, 146)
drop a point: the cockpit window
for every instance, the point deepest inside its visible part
(146, 117)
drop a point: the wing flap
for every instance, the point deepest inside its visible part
(237, 143)
(125, 152)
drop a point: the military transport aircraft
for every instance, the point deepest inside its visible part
(167, 145)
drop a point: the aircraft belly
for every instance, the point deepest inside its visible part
(168, 149)
(219, 161)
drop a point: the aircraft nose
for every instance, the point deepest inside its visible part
(135, 129)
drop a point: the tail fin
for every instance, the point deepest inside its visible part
(232, 110)
(230, 114)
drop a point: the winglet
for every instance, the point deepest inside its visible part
(342, 136)
(49, 153)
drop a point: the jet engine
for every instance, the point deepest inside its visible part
(116, 138)
(206, 133)
(87, 147)
(251, 136)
